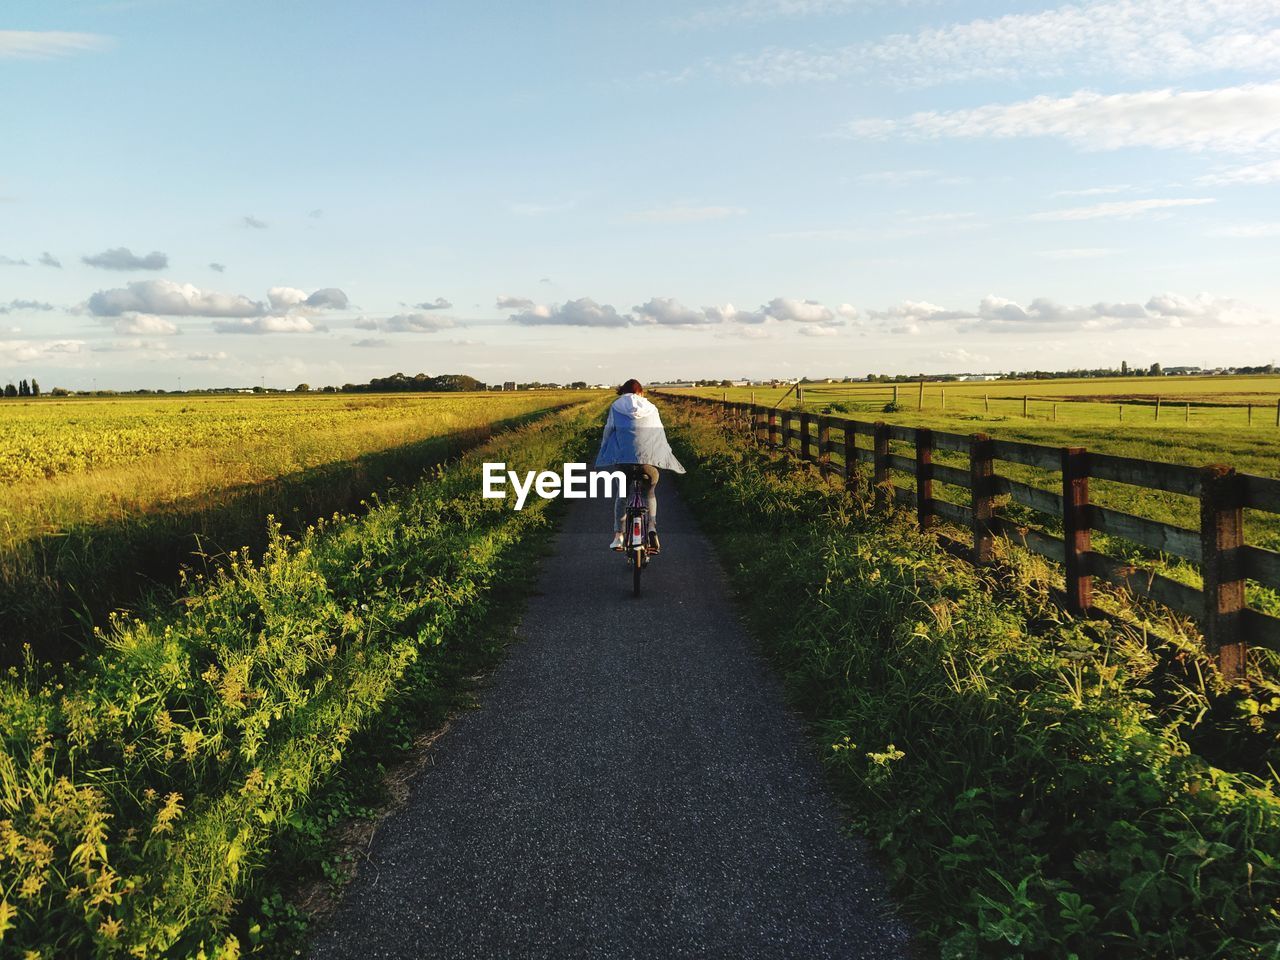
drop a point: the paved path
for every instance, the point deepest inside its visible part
(633, 786)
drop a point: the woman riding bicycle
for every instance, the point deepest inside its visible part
(633, 435)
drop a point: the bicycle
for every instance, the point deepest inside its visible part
(636, 538)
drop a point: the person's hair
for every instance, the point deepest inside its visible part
(631, 386)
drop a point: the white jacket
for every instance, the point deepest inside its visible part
(633, 433)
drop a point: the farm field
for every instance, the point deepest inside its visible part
(1245, 402)
(102, 499)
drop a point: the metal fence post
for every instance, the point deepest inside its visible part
(1221, 537)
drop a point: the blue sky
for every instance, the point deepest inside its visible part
(321, 192)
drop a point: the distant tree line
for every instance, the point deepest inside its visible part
(25, 388)
(421, 383)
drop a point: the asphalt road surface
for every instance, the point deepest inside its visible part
(632, 786)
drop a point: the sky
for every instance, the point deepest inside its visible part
(208, 192)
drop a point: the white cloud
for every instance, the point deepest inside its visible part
(668, 311)
(813, 330)
(1151, 38)
(166, 298)
(215, 356)
(253, 223)
(406, 323)
(684, 214)
(269, 324)
(282, 298)
(439, 303)
(731, 314)
(1254, 173)
(287, 298)
(47, 259)
(514, 303)
(11, 262)
(24, 306)
(45, 44)
(1002, 315)
(370, 342)
(1230, 119)
(134, 345)
(583, 312)
(142, 324)
(122, 258)
(415, 323)
(1120, 209)
(42, 351)
(800, 311)
(218, 267)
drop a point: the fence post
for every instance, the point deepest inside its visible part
(981, 470)
(787, 418)
(773, 427)
(824, 444)
(1076, 529)
(850, 457)
(884, 495)
(924, 478)
(1221, 537)
(805, 420)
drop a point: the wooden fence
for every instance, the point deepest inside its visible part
(1229, 625)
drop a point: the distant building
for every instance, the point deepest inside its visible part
(509, 385)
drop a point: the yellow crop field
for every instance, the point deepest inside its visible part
(78, 460)
(103, 499)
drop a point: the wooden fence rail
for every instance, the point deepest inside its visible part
(1225, 560)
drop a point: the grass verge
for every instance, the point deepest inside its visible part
(1027, 777)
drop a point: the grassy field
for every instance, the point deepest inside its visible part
(103, 500)
(1213, 435)
(1038, 786)
(144, 789)
(1113, 404)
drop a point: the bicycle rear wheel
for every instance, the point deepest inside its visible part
(637, 565)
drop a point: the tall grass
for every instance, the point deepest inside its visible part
(1029, 778)
(141, 791)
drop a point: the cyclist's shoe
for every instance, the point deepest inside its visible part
(654, 545)
(617, 542)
